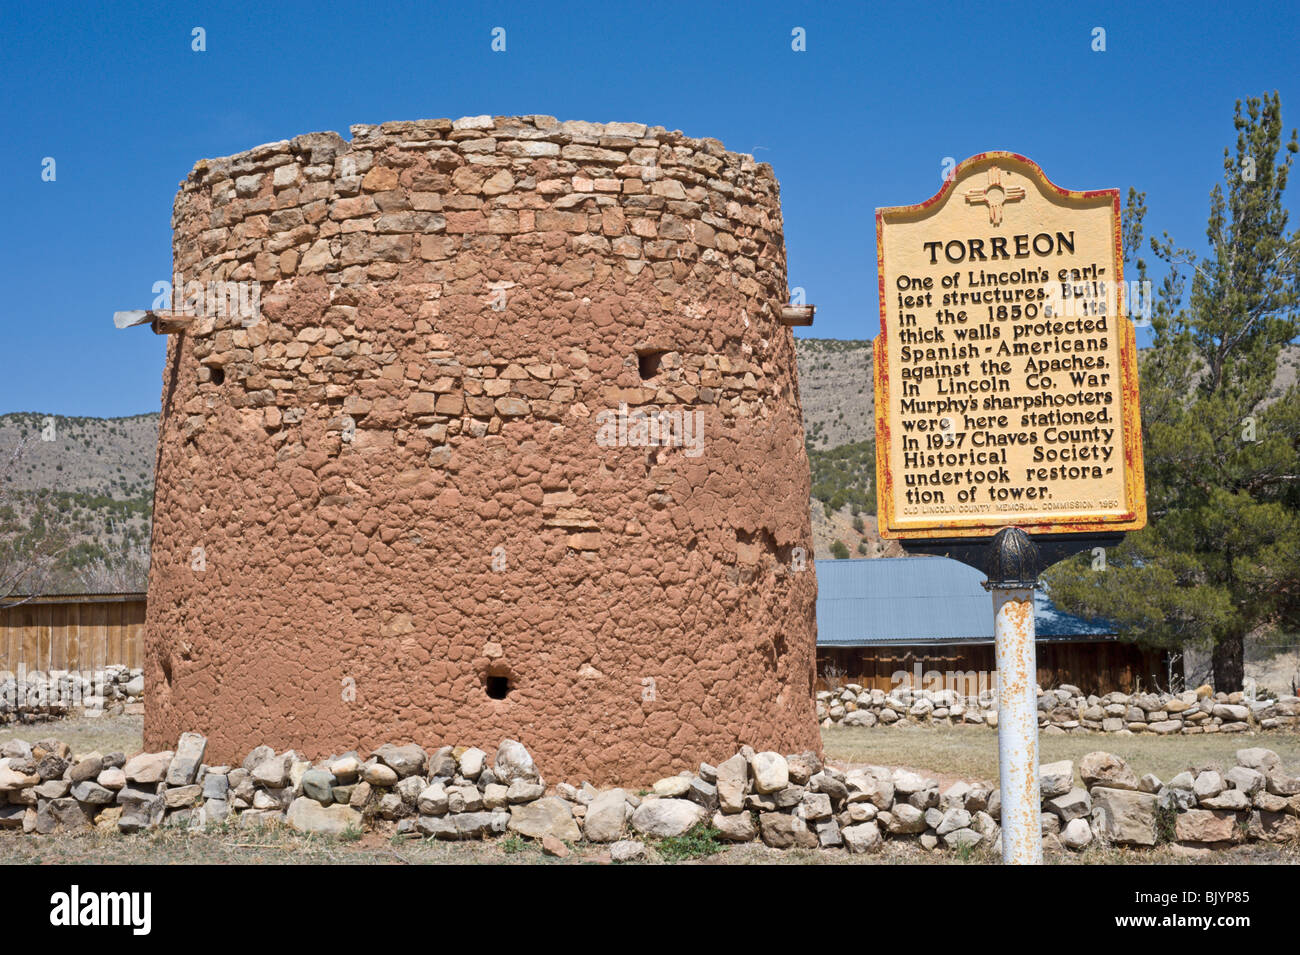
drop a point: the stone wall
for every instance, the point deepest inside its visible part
(385, 505)
(1064, 709)
(784, 801)
(32, 696)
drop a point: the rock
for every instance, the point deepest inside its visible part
(951, 821)
(784, 831)
(12, 780)
(148, 767)
(140, 810)
(1249, 781)
(906, 783)
(215, 786)
(606, 816)
(771, 773)
(1233, 799)
(1124, 817)
(1077, 834)
(465, 825)
(873, 784)
(627, 850)
(1108, 770)
(180, 797)
(442, 763)
(548, 816)
(1075, 804)
(66, 813)
(1150, 783)
(407, 760)
(319, 785)
(377, 774)
(112, 778)
(661, 818)
(432, 800)
(1280, 784)
(89, 791)
(735, 827)
(88, 767)
(259, 755)
(814, 807)
(472, 762)
(906, 819)
(803, 767)
(831, 785)
(828, 834)
(552, 846)
(495, 796)
(513, 762)
(271, 773)
(308, 815)
(1257, 758)
(1056, 779)
(703, 793)
(733, 779)
(185, 764)
(864, 837)
(1204, 825)
(1208, 784)
(959, 839)
(672, 787)
(522, 791)
(346, 769)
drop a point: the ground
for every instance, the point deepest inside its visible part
(948, 754)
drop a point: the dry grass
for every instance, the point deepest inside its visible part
(107, 734)
(972, 752)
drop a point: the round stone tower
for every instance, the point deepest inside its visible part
(483, 429)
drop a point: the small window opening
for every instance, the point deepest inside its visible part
(218, 374)
(498, 687)
(648, 364)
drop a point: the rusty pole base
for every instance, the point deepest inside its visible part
(1014, 563)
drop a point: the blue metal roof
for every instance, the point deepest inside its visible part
(901, 600)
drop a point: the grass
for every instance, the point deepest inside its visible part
(701, 841)
(972, 752)
(107, 734)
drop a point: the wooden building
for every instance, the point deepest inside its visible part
(72, 631)
(877, 618)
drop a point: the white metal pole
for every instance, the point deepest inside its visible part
(1013, 628)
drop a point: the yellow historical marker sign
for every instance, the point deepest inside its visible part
(1006, 366)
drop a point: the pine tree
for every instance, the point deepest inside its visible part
(1220, 559)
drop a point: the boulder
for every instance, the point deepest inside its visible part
(733, 779)
(627, 850)
(147, 768)
(606, 816)
(1208, 784)
(736, 826)
(1263, 760)
(185, 764)
(864, 837)
(1076, 804)
(1124, 816)
(1056, 779)
(407, 760)
(771, 772)
(548, 816)
(782, 830)
(513, 762)
(1077, 834)
(1108, 770)
(308, 815)
(662, 818)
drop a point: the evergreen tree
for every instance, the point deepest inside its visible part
(1220, 558)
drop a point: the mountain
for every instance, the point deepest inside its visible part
(96, 474)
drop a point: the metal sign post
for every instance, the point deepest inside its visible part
(1013, 570)
(1008, 434)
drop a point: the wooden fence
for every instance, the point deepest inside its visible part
(73, 632)
(1095, 666)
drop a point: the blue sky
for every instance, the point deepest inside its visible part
(864, 118)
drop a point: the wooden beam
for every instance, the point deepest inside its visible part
(797, 314)
(170, 322)
(163, 322)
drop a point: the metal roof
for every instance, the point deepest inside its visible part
(905, 600)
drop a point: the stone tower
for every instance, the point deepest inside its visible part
(483, 429)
